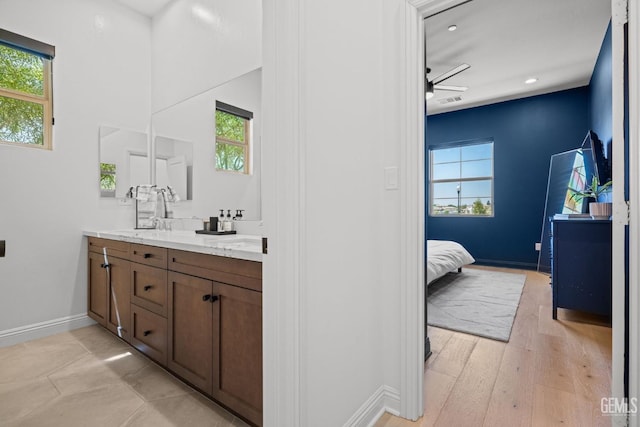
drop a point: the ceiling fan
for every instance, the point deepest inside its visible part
(431, 85)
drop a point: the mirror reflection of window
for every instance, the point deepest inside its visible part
(107, 180)
(233, 138)
(576, 184)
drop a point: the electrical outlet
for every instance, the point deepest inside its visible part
(538, 246)
(125, 202)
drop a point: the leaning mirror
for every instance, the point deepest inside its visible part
(124, 161)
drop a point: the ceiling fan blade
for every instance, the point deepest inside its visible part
(442, 77)
(452, 88)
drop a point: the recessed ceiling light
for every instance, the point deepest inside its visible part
(531, 80)
(452, 27)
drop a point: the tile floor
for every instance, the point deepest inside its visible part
(90, 378)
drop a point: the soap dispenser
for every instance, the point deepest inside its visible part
(228, 225)
(221, 221)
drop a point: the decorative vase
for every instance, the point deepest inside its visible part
(600, 210)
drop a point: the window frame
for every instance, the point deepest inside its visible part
(46, 53)
(247, 118)
(491, 178)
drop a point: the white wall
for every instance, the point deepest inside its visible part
(200, 44)
(101, 75)
(194, 120)
(332, 123)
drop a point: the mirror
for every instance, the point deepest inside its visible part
(185, 135)
(174, 165)
(124, 160)
(194, 120)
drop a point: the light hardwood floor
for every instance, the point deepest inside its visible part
(550, 373)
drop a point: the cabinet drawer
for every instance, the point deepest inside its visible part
(149, 334)
(114, 248)
(149, 288)
(149, 255)
(238, 272)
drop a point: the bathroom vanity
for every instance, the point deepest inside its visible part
(193, 304)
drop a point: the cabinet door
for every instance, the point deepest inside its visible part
(119, 317)
(98, 292)
(190, 329)
(237, 350)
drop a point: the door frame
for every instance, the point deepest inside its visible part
(620, 215)
(412, 205)
(633, 18)
(416, 10)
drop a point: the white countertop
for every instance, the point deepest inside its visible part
(242, 246)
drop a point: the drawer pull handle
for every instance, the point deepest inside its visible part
(145, 333)
(147, 256)
(210, 298)
(146, 288)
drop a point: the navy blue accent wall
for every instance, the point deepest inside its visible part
(526, 132)
(601, 94)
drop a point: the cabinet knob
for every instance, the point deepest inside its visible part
(145, 333)
(147, 256)
(210, 298)
(146, 288)
(206, 297)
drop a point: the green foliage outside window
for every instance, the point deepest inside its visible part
(231, 142)
(21, 121)
(107, 176)
(229, 126)
(479, 208)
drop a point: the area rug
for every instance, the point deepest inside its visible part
(478, 302)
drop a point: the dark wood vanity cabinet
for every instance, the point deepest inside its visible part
(109, 294)
(198, 315)
(215, 328)
(237, 349)
(215, 341)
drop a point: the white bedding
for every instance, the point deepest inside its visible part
(444, 256)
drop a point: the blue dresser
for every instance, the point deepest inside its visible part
(581, 265)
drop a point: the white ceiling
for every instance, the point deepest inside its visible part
(509, 41)
(145, 7)
(505, 42)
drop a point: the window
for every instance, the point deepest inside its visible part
(461, 179)
(26, 115)
(233, 136)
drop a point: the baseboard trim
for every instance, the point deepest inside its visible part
(507, 264)
(385, 399)
(43, 329)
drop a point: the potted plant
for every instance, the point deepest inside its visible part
(597, 210)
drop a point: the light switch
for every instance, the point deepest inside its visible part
(391, 178)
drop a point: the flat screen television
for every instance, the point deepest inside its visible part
(593, 150)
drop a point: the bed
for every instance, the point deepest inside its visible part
(444, 256)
